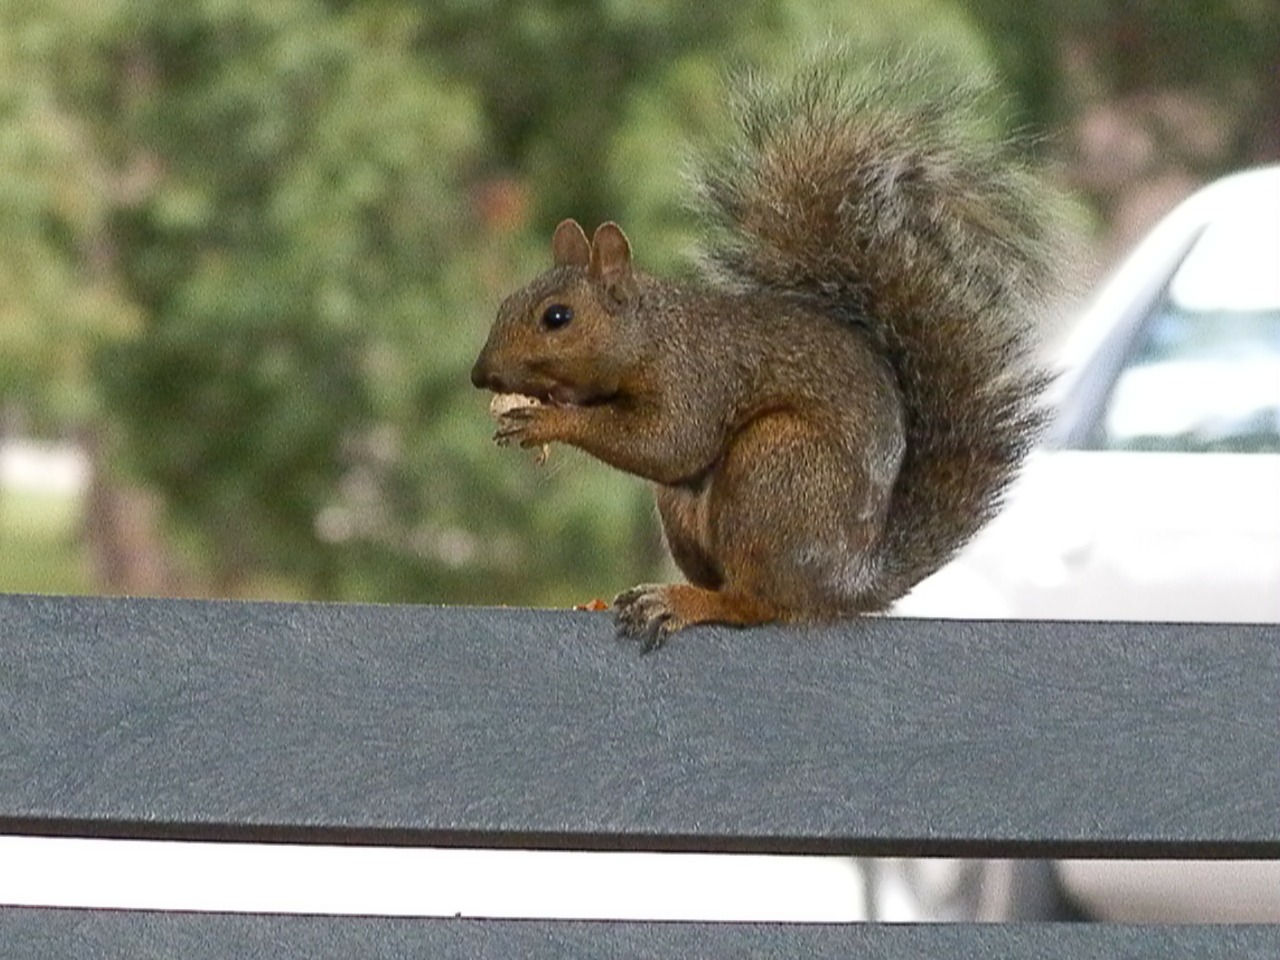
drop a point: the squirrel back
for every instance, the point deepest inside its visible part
(882, 199)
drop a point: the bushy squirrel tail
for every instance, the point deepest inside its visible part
(890, 200)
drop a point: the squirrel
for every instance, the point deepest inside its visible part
(841, 403)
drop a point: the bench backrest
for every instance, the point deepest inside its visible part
(512, 728)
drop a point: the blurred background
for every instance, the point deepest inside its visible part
(249, 249)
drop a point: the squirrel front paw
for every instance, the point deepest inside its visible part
(529, 426)
(646, 613)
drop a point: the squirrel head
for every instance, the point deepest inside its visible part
(564, 338)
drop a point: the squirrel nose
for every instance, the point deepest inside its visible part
(484, 378)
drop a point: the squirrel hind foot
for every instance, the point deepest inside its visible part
(652, 612)
(643, 613)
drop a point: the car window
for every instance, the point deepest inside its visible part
(1204, 370)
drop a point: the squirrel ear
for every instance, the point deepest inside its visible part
(569, 246)
(611, 259)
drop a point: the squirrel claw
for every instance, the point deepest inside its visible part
(643, 613)
(514, 426)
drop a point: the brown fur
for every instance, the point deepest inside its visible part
(842, 408)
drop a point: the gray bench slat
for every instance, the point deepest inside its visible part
(37, 933)
(421, 725)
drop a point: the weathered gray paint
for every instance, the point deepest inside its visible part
(508, 727)
(75, 934)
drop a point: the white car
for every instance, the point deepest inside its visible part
(1157, 498)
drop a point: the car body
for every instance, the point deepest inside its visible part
(1156, 496)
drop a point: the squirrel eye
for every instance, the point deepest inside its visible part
(556, 316)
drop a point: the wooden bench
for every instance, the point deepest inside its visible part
(424, 726)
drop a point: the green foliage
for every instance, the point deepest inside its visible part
(254, 246)
(555, 77)
(281, 201)
(1058, 55)
(56, 300)
(290, 256)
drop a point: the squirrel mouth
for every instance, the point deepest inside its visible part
(563, 395)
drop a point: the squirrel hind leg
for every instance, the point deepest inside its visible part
(652, 612)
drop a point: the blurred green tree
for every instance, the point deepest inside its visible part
(289, 247)
(1059, 54)
(279, 213)
(315, 279)
(57, 299)
(256, 245)
(1144, 99)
